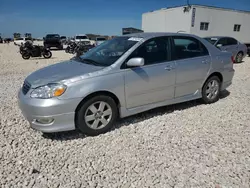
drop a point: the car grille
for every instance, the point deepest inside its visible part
(26, 88)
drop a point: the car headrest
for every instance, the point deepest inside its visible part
(193, 46)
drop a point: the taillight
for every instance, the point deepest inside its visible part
(232, 59)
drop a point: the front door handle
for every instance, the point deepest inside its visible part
(169, 68)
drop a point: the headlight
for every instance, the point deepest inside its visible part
(48, 91)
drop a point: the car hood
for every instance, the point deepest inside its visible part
(60, 71)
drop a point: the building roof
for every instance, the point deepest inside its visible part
(204, 6)
(221, 8)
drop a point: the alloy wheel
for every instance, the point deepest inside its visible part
(98, 115)
(239, 57)
(212, 89)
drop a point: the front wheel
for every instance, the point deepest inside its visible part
(47, 54)
(211, 90)
(97, 115)
(25, 55)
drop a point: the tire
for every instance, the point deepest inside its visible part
(239, 57)
(25, 55)
(215, 91)
(94, 125)
(47, 55)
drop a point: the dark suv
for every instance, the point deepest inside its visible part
(1, 40)
(53, 40)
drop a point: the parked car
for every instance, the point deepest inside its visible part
(248, 51)
(100, 40)
(7, 40)
(124, 76)
(230, 44)
(53, 40)
(80, 38)
(63, 39)
(1, 40)
(22, 40)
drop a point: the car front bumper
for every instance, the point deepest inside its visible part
(60, 112)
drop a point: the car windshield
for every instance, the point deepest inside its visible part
(100, 39)
(52, 36)
(19, 39)
(211, 40)
(109, 52)
(81, 37)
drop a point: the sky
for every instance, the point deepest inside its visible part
(71, 17)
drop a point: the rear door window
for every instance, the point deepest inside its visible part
(188, 47)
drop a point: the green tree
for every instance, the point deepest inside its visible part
(28, 35)
(16, 35)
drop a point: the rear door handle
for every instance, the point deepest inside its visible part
(204, 61)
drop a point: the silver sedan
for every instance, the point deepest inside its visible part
(121, 77)
(238, 50)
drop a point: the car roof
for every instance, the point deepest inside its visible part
(156, 34)
(219, 37)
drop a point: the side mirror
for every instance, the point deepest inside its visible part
(219, 45)
(135, 62)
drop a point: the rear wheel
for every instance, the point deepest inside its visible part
(211, 90)
(239, 57)
(97, 115)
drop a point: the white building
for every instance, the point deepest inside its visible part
(199, 20)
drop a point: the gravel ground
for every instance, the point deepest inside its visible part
(184, 145)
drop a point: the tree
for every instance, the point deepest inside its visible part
(28, 35)
(16, 35)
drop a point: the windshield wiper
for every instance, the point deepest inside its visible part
(90, 61)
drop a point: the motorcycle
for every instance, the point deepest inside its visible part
(24, 46)
(78, 48)
(71, 48)
(83, 48)
(35, 51)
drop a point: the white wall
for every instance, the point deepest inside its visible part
(221, 23)
(167, 20)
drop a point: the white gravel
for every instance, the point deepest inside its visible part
(184, 145)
